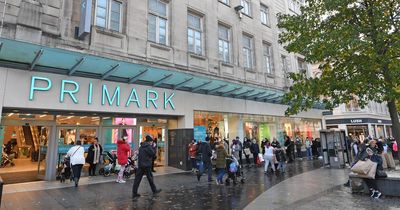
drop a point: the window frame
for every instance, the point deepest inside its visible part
(158, 17)
(108, 15)
(201, 17)
(242, 2)
(265, 9)
(225, 2)
(229, 41)
(270, 58)
(251, 49)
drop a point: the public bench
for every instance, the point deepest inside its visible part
(389, 186)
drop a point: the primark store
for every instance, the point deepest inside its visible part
(51, 97)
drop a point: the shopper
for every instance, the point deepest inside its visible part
(255, 150)
(240, 150)
(246, 150)
(77, 159)
(235, 148)
(94, 155)
(146, 155)
(263, 144)
(299, 144)
(221, 162)
(289, 148)
(308, 148)
(204, 152)
(269, 158)
(123, 149)
(192, 150)
(281, 158)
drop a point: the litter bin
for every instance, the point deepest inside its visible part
(1, 189)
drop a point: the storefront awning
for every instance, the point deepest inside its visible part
(33, 57)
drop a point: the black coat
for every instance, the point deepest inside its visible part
(90, 155)
(254, 148)
(146, 155)
(204, 152)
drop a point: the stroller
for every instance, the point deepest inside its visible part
(110, 164)
(234, 170)
(65, 172)
(130, 167)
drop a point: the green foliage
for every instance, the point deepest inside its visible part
(356, 44)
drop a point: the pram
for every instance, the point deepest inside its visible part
(65, 172)
(110, 164)
(234, 170)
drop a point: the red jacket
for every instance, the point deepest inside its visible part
(122, 152)
(192, 150)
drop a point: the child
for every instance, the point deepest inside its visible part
(281, 158)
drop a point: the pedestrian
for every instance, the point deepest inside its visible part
(95, 152)
(281, 158)
(255, 150)
(275, 143)
(308, 148)
(221, 162)
(246, 150)
(299, 144)
(269, 158)
(123, 149)
(192, 154)
(354, 147)
(263, 144)
(240, 150)
(145, 156)
(154, 147)
(289, 148)
(235, 148)
(314, 148)
(204, 152)
(77, 159)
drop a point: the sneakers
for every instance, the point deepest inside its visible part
(120, 181)
(136, 195)
(376, 194)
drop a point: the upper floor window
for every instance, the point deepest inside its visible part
(108, 14)
(224, 43)
(158, 22)
(248, 52)
(302, 66)
(225, 2)
(294, 5)
(265, 15)
(195, 34)
(246, 7)
(268, 61)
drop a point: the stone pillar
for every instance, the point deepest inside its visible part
(186, 121)
(52, 155)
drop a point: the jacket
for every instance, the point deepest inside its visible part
(204, 152)
(77, 155)
(221, 156)
(280, 155)
(275, 144)
(146, 155)
(90, 155)
(192, 150)
(254, 148)
(122, 152)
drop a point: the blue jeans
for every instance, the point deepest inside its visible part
(309, 153)
(194, 163)
(221, 173)
(282, 166)
(208, 167)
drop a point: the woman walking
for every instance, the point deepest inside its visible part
(269, 157)
(93, 158)
(221, 162)
(77, 158)
(123, 149)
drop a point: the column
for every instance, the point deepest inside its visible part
(52, 154)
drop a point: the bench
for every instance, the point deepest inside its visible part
(389, 186)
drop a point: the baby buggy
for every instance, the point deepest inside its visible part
(110, 164)
(234, 170)
(130, 167)
(65, 172)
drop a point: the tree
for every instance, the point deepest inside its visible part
(356, 44)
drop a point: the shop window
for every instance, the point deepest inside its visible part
(119, 121)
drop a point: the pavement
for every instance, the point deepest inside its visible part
(305, 186)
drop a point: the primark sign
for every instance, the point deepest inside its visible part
(110, 96)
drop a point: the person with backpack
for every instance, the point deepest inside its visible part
(221, 162)
(77, 160)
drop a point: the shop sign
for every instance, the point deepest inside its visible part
(356, 121)
(69, 89)
(200, 133)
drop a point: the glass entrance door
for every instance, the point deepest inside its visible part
(159, 135)
(112, 134)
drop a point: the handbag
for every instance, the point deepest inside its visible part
(362, 167)
(260, 157)
(246, 151)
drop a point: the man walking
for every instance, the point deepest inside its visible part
(204, 152)
(145, 158)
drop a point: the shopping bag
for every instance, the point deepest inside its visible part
(258, 160)
(261, 157)
(371, 173)
(362, 167)
(246, 151)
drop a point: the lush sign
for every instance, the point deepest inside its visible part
(110, 97)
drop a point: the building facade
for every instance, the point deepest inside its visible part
(371, 121)
(176, 70)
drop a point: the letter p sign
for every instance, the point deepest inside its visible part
(39, 84)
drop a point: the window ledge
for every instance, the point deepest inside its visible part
(160, 46)
(224, 4)
(270, 75)
(267, 25)
(197, 56)
(249, 70)
(109, 32)
(227, 64)
(249, 16)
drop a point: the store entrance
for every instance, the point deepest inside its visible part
(24, 152)
(158, 133)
